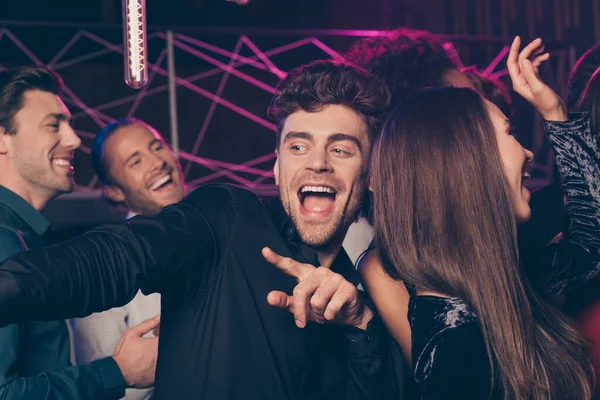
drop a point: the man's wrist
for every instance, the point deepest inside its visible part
(126, 376)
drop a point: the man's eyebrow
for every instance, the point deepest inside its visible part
(60, 117)
(154, 141)
(297, 135)
(134, 154)
(338, 137)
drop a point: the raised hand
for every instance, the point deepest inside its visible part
(320, 296)
(523, 68)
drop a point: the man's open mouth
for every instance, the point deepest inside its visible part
(162, 182)
(317, 199)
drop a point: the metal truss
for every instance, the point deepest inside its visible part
(247, 173)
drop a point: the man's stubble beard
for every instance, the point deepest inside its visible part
(44, 180)
(331, 232)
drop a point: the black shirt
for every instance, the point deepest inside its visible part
(219, 337)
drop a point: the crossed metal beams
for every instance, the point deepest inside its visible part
(260, 60)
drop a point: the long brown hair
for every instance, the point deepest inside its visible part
(444, 222)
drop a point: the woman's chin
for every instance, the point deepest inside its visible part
(523, 215)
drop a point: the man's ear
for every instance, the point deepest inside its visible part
(113, 193)
(3, 135)
(276, 168)
(369, 183)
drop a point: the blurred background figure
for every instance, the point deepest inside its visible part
(492, 89)
(137, 168)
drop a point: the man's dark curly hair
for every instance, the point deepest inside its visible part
(321, 83)
(405, 59)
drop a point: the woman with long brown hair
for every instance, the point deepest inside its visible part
(447, 180)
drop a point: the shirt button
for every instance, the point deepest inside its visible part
(290, 231)
(353, 343)
(370, 338)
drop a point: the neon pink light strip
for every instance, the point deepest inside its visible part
(211, 110)
(65, 48)
(227, 104)
(85, 149)
(211, 165)
(492, 65)
(225, 67)
(93, 182)
(208, 178)
(89, 111)
(217, 165)
(81, 59)
(258, 181)
(218, 50)
(142, 93)
(68, 100)
(87, 135)
(104, 117)
(124, 100)
(23, 48)
(263, 57)
(199, 76)
(499, 74)
(194, 88)
(89, 56)
(332, 53)
(226, 172)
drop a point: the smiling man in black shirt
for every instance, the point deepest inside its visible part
(220, 338)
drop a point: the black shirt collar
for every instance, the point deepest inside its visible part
(281, 219)
(343, 266)
(23, 209)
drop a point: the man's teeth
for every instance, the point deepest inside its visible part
(160, 182)
(322, 189)
(61, 162)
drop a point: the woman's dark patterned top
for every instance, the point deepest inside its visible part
(449, 357)
(576, 259)
(448, 352)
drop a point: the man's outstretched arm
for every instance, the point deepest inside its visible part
(104, 267)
